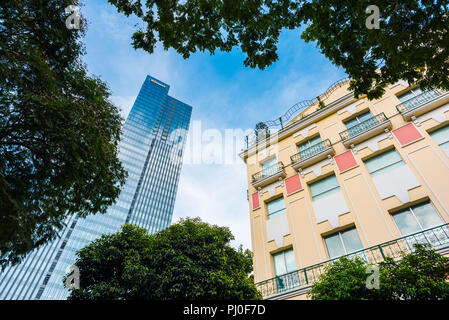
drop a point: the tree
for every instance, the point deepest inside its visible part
(58, 130)
(410, 44)
(420, 275)
(189, 260)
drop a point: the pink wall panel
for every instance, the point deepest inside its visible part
(345, 161)
(255, 199)
(407, 134)
(293, 184)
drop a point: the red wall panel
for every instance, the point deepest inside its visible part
(345, 161)
(293, 184)
(407, 134)
(255, 198)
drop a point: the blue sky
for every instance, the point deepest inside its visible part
(223, 92)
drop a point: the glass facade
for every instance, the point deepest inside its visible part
(151, 149)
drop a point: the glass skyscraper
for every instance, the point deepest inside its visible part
(151, 149)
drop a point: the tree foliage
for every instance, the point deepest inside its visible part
(420, 275)
(189, 260)
(411, 43)
(58, 130)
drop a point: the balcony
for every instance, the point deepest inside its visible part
(437, 237)
(313, 154)
(365, 130)
(422, 103)
(268, 175)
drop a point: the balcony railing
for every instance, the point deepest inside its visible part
(364, 126)
(267, 172)
(310, 152)
(417, 101)
(437, 237)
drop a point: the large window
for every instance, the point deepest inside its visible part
(359, 119)
(284, 262)
(441, 137)
(417, 218)
(284, 267)
(324, 187)
(383, 162)
(342, 243)
(310, 147)
(268, 167)
(410, 94)
(276, 207)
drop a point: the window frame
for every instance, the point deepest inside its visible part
(411, 93)
(308, 144)
(276, 213)
(326, 191)
(386, 166)
(357, 117)
(342, 242)
(410, 210)
(431, 134)
(284, 261)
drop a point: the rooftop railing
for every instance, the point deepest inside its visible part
(363, 126)
(267, 172)
(311, 151)
(417, 101)
(437, 237)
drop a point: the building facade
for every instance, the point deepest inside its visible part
(347, 177)
(151, 150)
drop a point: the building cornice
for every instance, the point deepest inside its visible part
(298, 125)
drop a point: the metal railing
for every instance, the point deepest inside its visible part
(311, 151)
(267, 172)
(437, 237)
(363, 126)
(417, 101)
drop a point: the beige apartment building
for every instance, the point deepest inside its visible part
(347, 176)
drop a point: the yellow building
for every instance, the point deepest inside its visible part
(347, 176)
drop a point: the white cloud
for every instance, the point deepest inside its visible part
(216, 194)
(124, 103)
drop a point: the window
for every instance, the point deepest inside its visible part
(383, 162)
(309, 143)
(441, 137)
(342, 243)
(310, 147)
(276, 207)
(268, 163)
(284, 267)
(324, 187)
(359, 119)
(417, 218)
(269, 167)
(284, 262)
(410, 94)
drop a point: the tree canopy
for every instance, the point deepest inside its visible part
(58, 130)
(411, 43)
(189, 260)
(420, 275)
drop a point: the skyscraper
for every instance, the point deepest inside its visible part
(151, 150)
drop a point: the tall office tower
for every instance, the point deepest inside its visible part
(151, 151)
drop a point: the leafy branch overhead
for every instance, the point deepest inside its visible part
(58, 130)
(411, 43)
